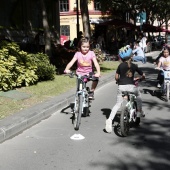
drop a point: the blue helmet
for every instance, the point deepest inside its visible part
(125, 52)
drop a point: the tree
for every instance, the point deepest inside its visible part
(153, 8)
(46, 29)
(85, 17)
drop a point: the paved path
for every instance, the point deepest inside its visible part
(20, 121)
(47, 145)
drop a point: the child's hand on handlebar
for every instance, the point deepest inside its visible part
(67, 71)
(139, 78)
(97, 75)
(157, 68)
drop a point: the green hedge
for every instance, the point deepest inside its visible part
(18, 68)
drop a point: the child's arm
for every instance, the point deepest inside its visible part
(159, 65)
(97, 67)
(69, 65)
(116, 77)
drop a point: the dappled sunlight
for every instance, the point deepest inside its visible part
(147, 147)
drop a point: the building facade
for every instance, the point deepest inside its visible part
(68, 17)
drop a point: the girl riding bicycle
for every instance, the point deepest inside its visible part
(125, 78)
(85, 59)
(164, 63)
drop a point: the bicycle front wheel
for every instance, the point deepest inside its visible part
(167, 91)
(78, 112)
(86, 108)
(124, 119)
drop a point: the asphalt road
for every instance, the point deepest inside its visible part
(47, 145)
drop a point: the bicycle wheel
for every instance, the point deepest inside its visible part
(78, 112)
(86, 108)
(137, 122)
(136, 119)
(124, 119)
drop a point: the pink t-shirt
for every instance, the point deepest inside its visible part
(84, 62)
(165, 63)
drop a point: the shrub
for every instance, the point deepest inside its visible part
(15, 68)
(99, 55)
(45, 70)
(18, 68)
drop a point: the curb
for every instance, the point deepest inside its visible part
(31, 116)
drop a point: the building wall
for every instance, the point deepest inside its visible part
(70, 18)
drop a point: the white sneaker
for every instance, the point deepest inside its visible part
(108, 127)
(158, 85)
(141, 114)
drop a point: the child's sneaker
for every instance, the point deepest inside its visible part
(91, 95)
(108, 127)
(158, 85)
(141, 114)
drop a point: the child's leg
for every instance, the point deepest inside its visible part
(139, 104)
(160, 77)
(94, 85)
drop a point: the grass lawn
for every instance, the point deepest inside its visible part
(45, 90)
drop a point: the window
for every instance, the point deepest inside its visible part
(97, 5)
(65, 30)
(64, 5)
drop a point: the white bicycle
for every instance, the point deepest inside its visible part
(166, 83)
(128, 115)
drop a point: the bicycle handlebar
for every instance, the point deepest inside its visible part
(161, 69)
(88, 76)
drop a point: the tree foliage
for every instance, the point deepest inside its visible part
(155, 9)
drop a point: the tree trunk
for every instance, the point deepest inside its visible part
(46, 29)
(85, 17)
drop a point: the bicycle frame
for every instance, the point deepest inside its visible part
(81, 89)
(81, 102)
(166, 77)
(130, 97)
(166, 84)
(129, 115)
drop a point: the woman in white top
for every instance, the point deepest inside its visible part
(139, 54)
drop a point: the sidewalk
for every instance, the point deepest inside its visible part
(15, 124)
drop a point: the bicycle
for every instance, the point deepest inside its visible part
(128, 112)
(166, 83)
(81, 101)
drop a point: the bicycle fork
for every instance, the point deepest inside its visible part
(132, 111)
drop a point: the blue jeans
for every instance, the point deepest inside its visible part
(139, 58)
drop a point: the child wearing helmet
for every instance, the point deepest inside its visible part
(125, 78)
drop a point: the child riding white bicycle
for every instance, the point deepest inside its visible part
(85, 59)
(125, 78)
(164, 63)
